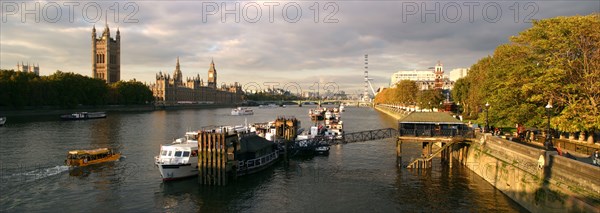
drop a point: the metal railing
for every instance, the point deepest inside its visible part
(257, 162)
(369, 135)
(467, 133)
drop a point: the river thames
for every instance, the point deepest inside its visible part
(358, 177)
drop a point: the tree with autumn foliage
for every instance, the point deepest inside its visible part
(557, 60)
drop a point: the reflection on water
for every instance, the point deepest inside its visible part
(360, 177)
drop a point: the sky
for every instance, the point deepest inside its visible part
(295, 45)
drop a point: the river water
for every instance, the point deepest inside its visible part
(359, 177)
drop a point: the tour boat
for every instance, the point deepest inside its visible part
(179, 159)
(242, 111)
(83, 115)
(268, 106)
(92, 156)
(2, 121)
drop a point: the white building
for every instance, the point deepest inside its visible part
(28, 68)
(425, 79)
(413, 75)
(458, 73)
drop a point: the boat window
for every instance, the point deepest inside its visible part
(164, 153)
(169, 154)
(186, 154)
(177, 153)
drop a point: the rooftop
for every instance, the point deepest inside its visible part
(430, 117)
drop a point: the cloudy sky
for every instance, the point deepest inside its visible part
(286, 42)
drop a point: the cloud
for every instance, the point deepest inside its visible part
(328, 45)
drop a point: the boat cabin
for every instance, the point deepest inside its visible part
(254, 146)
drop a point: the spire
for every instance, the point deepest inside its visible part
(212, 65)
(106, 29)
(177, 76)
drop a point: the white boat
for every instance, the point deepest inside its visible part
(242, 111)
(268, 106)
(2, 121)
(179, 159)
(83, 115)
(322, 150)
(342, 108)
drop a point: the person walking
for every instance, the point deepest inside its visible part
(596, 158)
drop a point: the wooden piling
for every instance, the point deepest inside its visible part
(212, 159)
(398, 148)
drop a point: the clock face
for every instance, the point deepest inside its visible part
(210, 75)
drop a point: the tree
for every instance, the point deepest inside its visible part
(406, 92)
(556, 60)
(129, 92)
(429, 99)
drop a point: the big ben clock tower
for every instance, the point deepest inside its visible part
(212, 75)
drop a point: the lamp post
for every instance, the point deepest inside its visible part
(487, 106)
(548, 142)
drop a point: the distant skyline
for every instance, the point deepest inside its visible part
(269, 41)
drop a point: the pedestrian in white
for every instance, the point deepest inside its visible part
(596, 158)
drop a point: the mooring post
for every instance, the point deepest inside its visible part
(450, 155)
(398, 148)
(460, 157)
(398, 151)
(442, 154)
(429, 148)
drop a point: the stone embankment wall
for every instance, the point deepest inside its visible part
(396, 113)
(540, 181)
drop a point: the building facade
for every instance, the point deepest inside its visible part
(413, 75)
(425, 79)
(106, 56)
(28, 68)
(458, 73)
(174, 90)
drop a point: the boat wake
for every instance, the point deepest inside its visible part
(35, 174)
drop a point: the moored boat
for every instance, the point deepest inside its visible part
(246, 153)
(322, 150)
(242, 111)
(92, 156)
(179, 159)
(2, 121)
(256, 154)
(83, 115)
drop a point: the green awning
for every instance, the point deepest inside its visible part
(430, 118)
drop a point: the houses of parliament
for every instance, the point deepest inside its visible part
(106, 65)
(173, 90)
